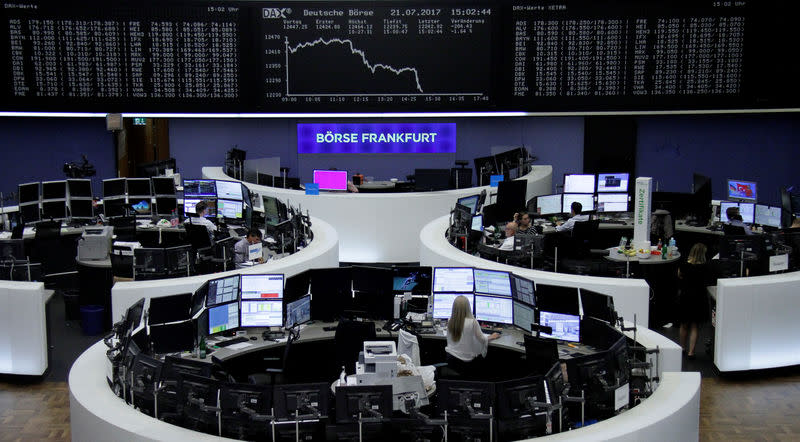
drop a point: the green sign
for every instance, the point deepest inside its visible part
(139, 121)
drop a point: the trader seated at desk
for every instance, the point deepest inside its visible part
(242, 248)
(523, 221)
(736, 225)
(201, 209)
(575, 217)
(508, 243)
(465, 340)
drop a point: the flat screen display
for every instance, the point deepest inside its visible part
(747, 210)
(262, 286)
(139, 187)
(742, 190)
(565, 327)
(30, 213)
(443, 303)
(114, 207)
(165, 206)
(523, 316)
(262, 313)
(229, 209)
(612, 202)
(223, 318)
(114, 187)
(524, 290)
(53, 190)
(453, 279)
(28, 192)
(331, 179)
(141, 206)
(575, 183)
(494, 309)
(768, 216)
(199, 188)
(470, 202)
(229, 190)
(190, 204)
(612, 182)
(80, 188)
(163, 186)
(548, 204)
(477, 223)
(54, 209)
(81, 209)
(298, 312)
(492, 282)
(222, 290)
(586, 200)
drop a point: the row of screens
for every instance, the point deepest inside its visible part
(258, 313)
(471, 280)
(142, 206)
(752, 213)
(138, 187)
(57, 210)
(54, 190)
(217, 208)
(600, 183)
(229, 190)
(562, 203)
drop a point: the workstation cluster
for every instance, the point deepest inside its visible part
(575, 370)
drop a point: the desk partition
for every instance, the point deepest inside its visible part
(23, 328)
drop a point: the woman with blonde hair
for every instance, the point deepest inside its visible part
(692, 300)
(465, 340)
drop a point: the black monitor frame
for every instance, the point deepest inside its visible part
(454, 395)
(172, 338)
(557, 299)
(27, 190)
(369, 401)
(598, 305)
(288, 399)
(172, 308)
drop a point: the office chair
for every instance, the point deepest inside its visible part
(730, 230)
(274, 375)
(48, 248)
(582, 234)
(349, 339)
(662, 226)
(540, 354)
(124, 228)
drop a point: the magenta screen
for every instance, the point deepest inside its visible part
(331, 179)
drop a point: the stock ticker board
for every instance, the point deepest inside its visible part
(329, 56)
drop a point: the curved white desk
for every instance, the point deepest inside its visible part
(757, 322)
(631, 296)
(23, 328)
(383, 227)
(321, 252)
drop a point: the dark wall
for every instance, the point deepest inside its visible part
(35, 149)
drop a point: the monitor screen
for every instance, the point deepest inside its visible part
(114, 207)
(199, 188)
(471, 202)
(139, 187)
(565, 327)
(81, 209)
(54, 209)
(262, 286)
(28, 192)
(453, 279)
(723, 210)
(331, 179)
(523, 316)
(612, 182)
(574, 183)
(53, 190)
(163, 186)
(494, 309)
(262, 313)
(612, 202)
(229, 209)
(443, 303)
(222, 318)
(768, 216)
(114, 187)
(742, 190)
(222, 290)
(30, 213)
(548, 204)
(492, 282)
(230, 190)
(165, 206)
(190, 204)
(80, 188)
(477, 223)
(747, 210)
(524, 290)
(411, 279)
(586, 200)
(172, 338)
(298, 312)
(431, 179)
(164, 309)
(141, 206)
(559, 299)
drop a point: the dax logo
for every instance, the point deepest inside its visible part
(275, 12)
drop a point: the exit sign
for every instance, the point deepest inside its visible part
(138, 121)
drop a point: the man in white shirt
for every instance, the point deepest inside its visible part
(575, 217)
(735, 220)
(508, 243)
(201, 209)
(242, 248)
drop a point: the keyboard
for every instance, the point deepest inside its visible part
(232, 341)
(426, 331)
(489, 330)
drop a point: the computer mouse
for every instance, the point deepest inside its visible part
(253, 338)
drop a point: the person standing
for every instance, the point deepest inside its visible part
(693, 278)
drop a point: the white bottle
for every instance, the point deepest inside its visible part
(343, 377)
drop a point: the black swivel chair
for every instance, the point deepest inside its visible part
(274, 375)
(730, 230)
(350, 337)
(124, 228)
(48, 248)
(540, 354)
(582, 234)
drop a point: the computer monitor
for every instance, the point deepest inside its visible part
(56, 210)
(470, 202)
(304, 399)
(114, 187)
(492, 282)
(463, 398)
(12, 249)
(524, 316)
(298, 312)
(262, 313)
(172, 338)
(497, 309)
(54, 190)
(30, 213)
(431, 179)
(163, 186)
(578, 183)
(746, 210)
(223, 318)
(411, 280)
(199, 189)
(230, 209)
(548, 204)
(81, 209)
(139, 187)
(141, 206)
(598, 305)
(612, 202)
(79, 188)
(612, 182)
(189, 205)
(565, 327)
(443, 303)
(262, 286)
(511, 197)
(28, 193)
(739, 190)
(331, 292)
(164, 309)
(373, 401)
(524, 290)
(768, 216)
(166, 206)
(514, 399)
(586, 200)
(113, 208)
(222, 290)
(553, 298)
(453, 279)
(477, 223)
(229, 190)
(330, 179)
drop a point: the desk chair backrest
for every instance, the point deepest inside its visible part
(48, 229)
(540, 354)
(730, 230)
(197, 235)
(124, 228)
(350, 337)
(408, 344)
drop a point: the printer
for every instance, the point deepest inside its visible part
(377, 361)
(95, 243)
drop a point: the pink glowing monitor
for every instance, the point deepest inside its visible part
(331, 179)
